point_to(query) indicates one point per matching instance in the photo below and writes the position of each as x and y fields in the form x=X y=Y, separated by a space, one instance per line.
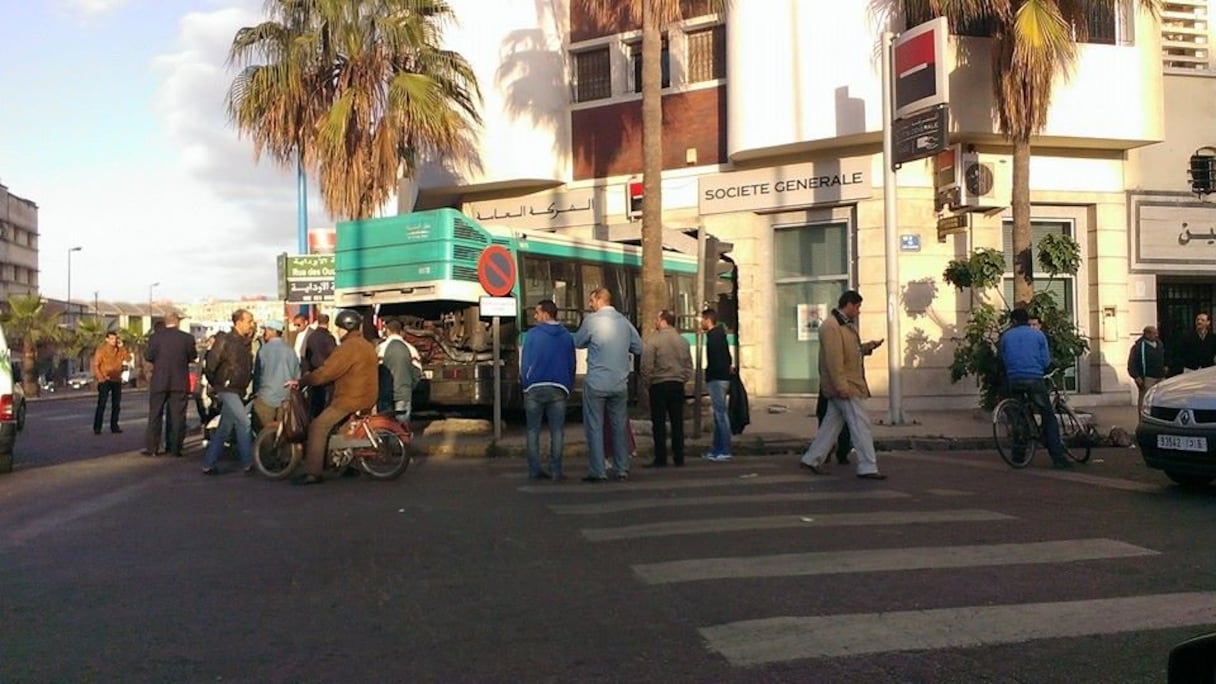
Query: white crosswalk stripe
x=643 y=504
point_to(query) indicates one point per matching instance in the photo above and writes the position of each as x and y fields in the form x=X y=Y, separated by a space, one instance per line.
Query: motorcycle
x=376 y=443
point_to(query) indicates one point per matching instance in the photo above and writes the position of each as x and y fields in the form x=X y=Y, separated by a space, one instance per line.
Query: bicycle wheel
x=1014 y=435
x=389 y=460
x=274 y=459
x=1078 y=437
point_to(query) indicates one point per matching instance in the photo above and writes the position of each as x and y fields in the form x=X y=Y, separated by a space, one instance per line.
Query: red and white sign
x=322 y=240
x=634 y=199
x=920 y=67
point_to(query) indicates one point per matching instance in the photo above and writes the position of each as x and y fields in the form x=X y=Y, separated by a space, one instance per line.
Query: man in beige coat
x=843 y=382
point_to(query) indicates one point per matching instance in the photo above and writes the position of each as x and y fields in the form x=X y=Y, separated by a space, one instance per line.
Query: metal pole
x=301 y=204
x=698 y=380
x=891 y=229
x=497 y=383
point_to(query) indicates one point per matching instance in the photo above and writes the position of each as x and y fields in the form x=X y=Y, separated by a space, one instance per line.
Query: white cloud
x=95 y=7
x=210 y=222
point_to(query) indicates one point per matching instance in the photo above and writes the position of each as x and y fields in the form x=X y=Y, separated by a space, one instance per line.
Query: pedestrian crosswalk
x=736 y=500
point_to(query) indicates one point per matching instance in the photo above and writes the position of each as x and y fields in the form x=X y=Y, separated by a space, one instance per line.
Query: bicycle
x=1018 y=433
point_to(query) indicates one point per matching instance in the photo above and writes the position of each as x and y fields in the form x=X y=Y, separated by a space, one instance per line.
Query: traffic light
x=1203 y=174
x=719 y=271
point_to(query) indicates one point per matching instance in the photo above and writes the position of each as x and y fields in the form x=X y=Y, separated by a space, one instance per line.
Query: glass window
x=684 y=303
x=544 y=279
x=1062 y=287
x=812 y=270
x=635 y=63
x=593 y=75
x=811 y=251
x=707 y=54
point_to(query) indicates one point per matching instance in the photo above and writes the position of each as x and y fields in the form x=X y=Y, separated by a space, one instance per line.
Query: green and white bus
x=422 y=268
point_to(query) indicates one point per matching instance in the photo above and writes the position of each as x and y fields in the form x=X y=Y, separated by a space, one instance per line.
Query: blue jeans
x=1036 y=391
x=717 y=397
x=596 y=404
x=546 y=402
x=234 y=416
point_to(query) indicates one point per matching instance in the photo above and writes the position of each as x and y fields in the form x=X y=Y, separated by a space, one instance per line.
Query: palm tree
x=357 y=90
x=35 y=326
x=86 y=338
x=1033 y=42
x=135 y=339
x=653 y=15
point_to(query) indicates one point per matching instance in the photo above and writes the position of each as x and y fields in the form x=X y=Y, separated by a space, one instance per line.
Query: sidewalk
x=778 y=426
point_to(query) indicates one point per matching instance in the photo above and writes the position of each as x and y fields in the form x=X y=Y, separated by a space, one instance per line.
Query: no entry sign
x=496 y=271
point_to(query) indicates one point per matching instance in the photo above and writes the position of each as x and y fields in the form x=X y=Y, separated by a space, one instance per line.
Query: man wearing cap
x=276 y=364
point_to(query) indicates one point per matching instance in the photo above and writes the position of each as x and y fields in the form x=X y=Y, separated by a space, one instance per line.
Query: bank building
x=772 y=142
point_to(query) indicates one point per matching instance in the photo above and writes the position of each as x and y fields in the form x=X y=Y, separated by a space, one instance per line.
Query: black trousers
x=111 y=390
x=667 y=403
x=172 y=405
x=844 y=443
x=318 y=398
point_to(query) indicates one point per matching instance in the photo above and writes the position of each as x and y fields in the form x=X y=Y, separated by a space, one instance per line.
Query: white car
x=12 y=406
x=80 y=380
x=1177 y=429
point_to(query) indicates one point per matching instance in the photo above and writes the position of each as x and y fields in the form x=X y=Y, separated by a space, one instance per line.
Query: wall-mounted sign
x=1174 y=236
x=307 y=279
x=785 y=187
x=920 y=67
x=909 y=243
x=810 y=317
x=539 y=211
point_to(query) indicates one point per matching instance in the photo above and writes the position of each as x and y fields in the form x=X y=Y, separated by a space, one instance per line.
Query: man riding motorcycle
x=352 y=368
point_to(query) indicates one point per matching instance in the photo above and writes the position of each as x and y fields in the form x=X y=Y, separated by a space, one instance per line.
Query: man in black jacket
x=230 y=372
x=170 y=351
x=318 y=345
x=718 y=369
x=1146 y=362
x=1199 y=345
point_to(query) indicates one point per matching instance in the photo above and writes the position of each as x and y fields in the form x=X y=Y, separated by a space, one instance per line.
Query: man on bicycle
x=1024 y=352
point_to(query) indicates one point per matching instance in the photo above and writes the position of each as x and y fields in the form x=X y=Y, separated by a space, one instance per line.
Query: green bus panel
x=442 y=244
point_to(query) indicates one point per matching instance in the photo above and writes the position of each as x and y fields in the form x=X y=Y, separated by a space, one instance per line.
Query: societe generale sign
x=785 y=187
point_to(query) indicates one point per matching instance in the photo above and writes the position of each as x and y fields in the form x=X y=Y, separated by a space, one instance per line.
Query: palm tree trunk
x=1023 y=263
x=654 y=291
x=29 y=373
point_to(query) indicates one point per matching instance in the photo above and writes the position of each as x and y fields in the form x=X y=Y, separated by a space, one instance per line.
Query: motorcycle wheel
x=387 y=462
x=272 y=459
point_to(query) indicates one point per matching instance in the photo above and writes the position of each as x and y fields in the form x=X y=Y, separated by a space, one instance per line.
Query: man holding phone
x=842 y=380
x=844 y=443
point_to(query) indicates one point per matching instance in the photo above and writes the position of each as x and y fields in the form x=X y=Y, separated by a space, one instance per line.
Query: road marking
x=773 y=522
x=1074 y=475
x=643 y=504
x=780 y=639
x=518 y=469
x=652 y=485
x=24 y=533
x=882 y=560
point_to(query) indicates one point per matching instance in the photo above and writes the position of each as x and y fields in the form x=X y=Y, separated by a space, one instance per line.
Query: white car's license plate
x=427 y=374
x=1182 y=443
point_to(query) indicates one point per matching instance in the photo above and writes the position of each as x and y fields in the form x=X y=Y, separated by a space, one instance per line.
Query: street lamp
x=150 y=288
x=68 y=307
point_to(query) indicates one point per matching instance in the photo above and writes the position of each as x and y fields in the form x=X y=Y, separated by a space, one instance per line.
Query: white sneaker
x=718 y=458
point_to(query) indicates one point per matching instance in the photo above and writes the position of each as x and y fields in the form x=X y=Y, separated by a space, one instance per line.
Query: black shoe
x=656 y=464
x=145 y=452
x=592 y=478
x=114 y=430
x=542 y=475
x=307 y=479
x=812 y=468
x=872 y=476
x=249 y=470
x=96 y=432
x=211 y=471
x=842 y=461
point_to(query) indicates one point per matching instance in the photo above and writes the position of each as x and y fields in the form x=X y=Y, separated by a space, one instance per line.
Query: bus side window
x=564 y=289
x=536 y=286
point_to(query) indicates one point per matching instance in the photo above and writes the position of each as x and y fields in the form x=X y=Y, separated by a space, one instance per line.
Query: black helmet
x=348 y=320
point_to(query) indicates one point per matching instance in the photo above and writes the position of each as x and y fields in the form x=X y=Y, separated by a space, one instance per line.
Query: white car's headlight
x=1147 y=406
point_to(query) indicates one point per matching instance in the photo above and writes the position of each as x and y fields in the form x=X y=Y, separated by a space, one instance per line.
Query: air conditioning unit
x=969 y=181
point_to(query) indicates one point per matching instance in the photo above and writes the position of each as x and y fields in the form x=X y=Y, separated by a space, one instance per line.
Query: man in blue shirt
x=1023 y=350
x=609 y=339
x=276 y=364
x=547 y=375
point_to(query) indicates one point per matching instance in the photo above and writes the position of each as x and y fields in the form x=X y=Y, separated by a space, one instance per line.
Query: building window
x=635 y=65
x=810 y=270
x=592 y=75
x=707 y=54
x=1185 y=28
x=1062 y=287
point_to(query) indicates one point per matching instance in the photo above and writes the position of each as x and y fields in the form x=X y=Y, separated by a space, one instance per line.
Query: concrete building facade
x=18 y=245
x=772 y=141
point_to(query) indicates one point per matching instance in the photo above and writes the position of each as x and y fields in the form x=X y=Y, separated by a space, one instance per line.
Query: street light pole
x=68 y=307
x=150 y=288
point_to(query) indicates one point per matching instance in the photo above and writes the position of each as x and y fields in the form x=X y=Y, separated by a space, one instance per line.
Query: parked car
x=80 y=380
x=12 y=406
x=1177 y=428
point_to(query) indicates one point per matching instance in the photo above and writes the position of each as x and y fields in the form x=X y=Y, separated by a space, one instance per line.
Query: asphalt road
x=956 y=569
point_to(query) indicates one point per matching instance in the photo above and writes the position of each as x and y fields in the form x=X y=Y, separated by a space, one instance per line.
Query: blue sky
x=112 y=121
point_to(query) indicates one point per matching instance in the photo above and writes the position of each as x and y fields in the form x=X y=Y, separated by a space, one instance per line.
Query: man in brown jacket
x=843 y=382
x=107 y=371
x=353 y=370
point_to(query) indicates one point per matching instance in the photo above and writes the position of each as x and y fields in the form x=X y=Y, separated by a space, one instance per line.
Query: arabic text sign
x=315 y=266
x=1181 y=235
x=544 y=210
x=308 y=279
x=305 y=291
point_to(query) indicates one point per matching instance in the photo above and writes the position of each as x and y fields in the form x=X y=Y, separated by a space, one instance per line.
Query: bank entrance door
x=811 y=270
x=1178 y=302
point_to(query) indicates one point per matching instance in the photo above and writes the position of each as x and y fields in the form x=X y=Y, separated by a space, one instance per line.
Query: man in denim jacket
x=609 y=339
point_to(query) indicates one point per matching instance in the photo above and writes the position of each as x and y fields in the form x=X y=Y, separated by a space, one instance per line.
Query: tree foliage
x=33 y=326
x=358 y=90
